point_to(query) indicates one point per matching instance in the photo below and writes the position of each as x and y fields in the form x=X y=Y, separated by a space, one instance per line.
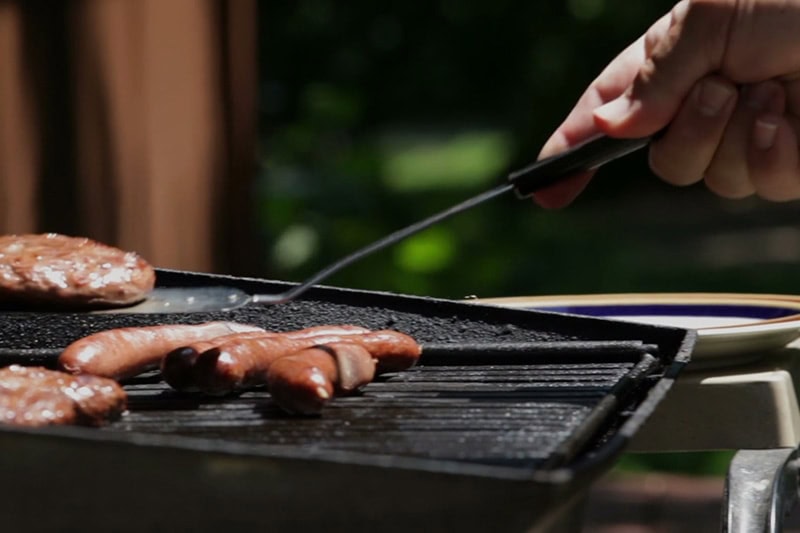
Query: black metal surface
x=430 y=321
x=540 y=429
x=510 y=415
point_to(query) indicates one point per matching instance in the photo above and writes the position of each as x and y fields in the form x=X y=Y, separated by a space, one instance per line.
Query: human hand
x=723 y=77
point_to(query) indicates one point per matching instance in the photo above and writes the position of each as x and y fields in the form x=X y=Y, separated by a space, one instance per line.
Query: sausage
x=394 y=351
x=355 y=364
x=245 y=362
x=178 y=367
x=306 y=381
x=303 y=382
x=125 y=352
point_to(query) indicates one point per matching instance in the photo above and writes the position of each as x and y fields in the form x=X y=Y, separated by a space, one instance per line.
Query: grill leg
x=760 y=490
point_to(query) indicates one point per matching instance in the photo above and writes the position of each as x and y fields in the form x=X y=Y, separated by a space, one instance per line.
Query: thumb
x=680 y=49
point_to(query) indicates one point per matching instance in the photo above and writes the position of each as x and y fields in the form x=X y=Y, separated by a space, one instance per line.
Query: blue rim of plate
x=749 y=325
x=748 y=311
x=755 y=310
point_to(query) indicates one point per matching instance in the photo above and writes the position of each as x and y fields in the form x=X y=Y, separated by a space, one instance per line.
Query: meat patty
x=34 y=396
x=70 y=271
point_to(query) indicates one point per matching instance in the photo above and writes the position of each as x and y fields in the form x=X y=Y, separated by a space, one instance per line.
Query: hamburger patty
x=70 y=271
x=34 y=396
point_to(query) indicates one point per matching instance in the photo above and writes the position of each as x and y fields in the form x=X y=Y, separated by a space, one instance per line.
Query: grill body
x=458 y=443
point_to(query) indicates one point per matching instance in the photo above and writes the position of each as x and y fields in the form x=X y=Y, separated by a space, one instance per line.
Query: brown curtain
x=132 y=122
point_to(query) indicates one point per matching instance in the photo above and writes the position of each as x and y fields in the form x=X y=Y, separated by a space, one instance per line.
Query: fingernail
x=614 y=111
x=713 y=96
x=764 y=133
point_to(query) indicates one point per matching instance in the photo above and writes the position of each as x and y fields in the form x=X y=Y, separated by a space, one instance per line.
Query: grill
x=465 y=437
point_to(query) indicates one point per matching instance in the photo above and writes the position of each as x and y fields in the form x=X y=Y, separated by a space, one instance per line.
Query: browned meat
x=125 y=352
x=306 y=381
x=355 y=364
x=244 y=362
x=303 y=382
x=178 y=367
x=34 y=396
x=70 y=271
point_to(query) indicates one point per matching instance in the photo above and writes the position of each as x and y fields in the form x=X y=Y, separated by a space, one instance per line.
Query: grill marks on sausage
x=34 y=396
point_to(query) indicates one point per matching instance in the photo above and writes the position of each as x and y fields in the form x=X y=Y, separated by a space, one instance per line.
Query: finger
x=564 y=192
x=579 y=125
x=691 y=46
x=728 y=174
x=682 y=155
x=773 y=158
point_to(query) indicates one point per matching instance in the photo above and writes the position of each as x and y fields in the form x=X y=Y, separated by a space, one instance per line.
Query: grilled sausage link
x=306 y=381
x=125 y=352
x=245 y=362
x=178 y=367
x=355 y=364
x=303 y=382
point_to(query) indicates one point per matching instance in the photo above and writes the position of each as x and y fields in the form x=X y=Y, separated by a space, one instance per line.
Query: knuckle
x=708 y=23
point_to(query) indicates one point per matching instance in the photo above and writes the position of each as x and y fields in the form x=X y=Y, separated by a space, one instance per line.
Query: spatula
x=523 y=182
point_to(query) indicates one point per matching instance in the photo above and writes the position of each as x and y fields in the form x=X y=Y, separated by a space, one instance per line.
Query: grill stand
x=751 y=408
x=760 y=490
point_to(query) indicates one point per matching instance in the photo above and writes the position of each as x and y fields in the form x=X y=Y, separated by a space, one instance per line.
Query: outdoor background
x=376 y=114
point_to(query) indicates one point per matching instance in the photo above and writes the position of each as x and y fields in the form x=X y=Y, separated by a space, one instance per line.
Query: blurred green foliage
x=376 y=114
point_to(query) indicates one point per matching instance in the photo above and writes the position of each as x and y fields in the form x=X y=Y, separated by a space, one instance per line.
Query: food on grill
x=178 y=367
x=245 y=362
x=125 y=352
x=355 y=366
x=224 y=357
x=53 y=269
x=34 y=396
x=304 y=382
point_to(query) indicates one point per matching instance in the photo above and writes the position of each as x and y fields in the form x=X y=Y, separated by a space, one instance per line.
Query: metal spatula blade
x=187 y=300
x=525 y=182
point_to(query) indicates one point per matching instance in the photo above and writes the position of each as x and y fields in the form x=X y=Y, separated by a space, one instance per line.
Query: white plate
x=730 y=327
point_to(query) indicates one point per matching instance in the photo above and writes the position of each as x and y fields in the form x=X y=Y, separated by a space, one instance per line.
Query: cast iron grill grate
x=520 y=415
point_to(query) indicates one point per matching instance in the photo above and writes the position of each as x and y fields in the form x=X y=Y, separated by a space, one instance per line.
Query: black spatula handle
x=584 y=157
